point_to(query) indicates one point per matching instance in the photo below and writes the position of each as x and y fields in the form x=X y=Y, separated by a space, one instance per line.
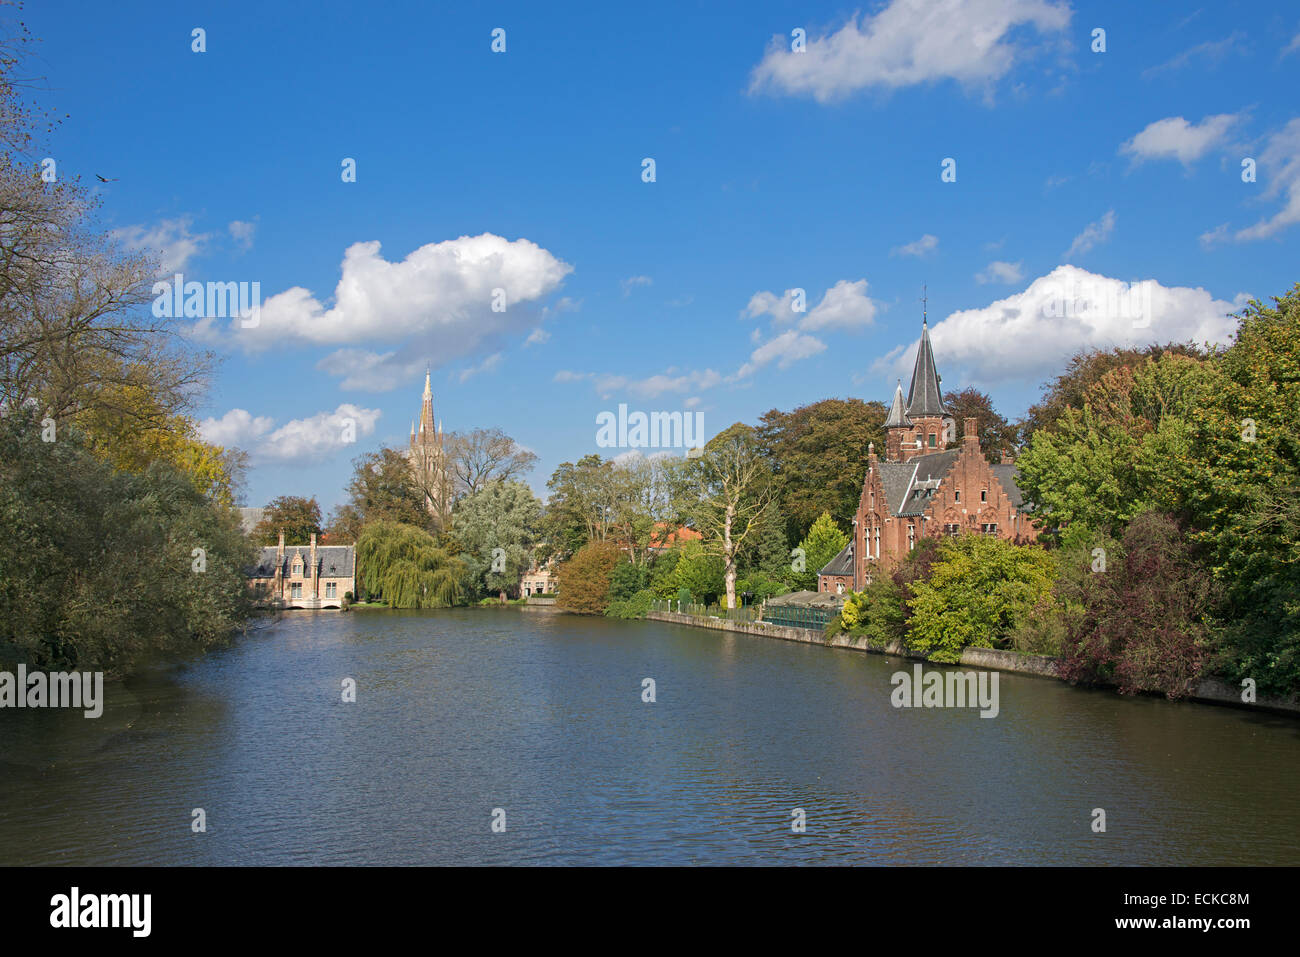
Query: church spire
x=923 y=396
x=426 y=406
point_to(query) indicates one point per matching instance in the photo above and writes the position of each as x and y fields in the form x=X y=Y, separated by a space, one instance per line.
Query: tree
x=735 y=489
x=584 y=579
x=977 y=593
x=818 y=457
x=823 y=542
x=498 y=526
x=404 y=566
x=1145 y=618
x=108 y=570
x=996 y=435
x=700 y=571
x=486 y=455
x=297 y=517
x=581 y=503
x=383 y=489
x=343 y=526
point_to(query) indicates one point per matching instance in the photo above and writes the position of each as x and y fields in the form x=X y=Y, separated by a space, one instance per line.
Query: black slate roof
x=923 y=396
x=1007 y=475
x=332 y=561
x=897 y=415
x=841 y=564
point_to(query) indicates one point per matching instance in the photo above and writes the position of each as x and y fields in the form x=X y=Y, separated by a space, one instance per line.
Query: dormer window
x=297 y=569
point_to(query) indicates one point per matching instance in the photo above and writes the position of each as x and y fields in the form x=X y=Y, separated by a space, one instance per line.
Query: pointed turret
x=897 y=415
x=924 y=397
x=426 y=405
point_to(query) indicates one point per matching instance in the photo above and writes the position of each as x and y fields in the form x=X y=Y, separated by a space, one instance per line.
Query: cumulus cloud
x=787 y=348
x=299 y=441
x=1092 y=234
x=920 y=248
x=998 y=271
x=1028 y=335
x=909 y=42
x=169 y=241
x=1175 y=138
x=845 y=305
x=437 y=303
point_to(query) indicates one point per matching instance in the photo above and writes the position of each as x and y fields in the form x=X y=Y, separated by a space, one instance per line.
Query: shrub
x=627 y=579
x=1144 y=624
x=638 y=606
x=585 y=578
x=977 y=593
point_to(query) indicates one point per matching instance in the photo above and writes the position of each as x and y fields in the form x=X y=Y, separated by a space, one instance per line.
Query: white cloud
x=787 y=348
x=845 y=305
x=537 y=337
x=632 y=282
x=1028 y=335
x=1210 y=53
x=921 y=247
x=1279 y=166
x=1175 y=138
x=998 y=271
x=436 y=303
x=487 y=365
x=1092 y=234
x=911 y=42
x=299 y=441
x=170 y=241
x=242 y=233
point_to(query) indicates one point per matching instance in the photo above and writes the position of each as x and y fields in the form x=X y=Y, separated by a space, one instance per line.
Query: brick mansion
x=920 y=488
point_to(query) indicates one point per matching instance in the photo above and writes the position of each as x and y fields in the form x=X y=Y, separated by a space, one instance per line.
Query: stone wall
x=1209 y=691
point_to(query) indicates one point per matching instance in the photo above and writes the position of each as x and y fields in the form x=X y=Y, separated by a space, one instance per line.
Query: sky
x=701 y=208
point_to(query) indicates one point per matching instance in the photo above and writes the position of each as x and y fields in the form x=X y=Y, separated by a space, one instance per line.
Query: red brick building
x=921 y=488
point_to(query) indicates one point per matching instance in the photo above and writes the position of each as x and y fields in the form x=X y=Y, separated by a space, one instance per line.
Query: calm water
x=541 y=714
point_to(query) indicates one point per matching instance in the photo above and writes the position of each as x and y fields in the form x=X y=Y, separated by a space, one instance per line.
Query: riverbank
x=1210 y=691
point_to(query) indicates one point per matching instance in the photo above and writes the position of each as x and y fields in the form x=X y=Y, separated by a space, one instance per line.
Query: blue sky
x=1078 y=173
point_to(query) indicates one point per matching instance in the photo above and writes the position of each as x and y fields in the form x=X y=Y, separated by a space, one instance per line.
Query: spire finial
x=924 y=304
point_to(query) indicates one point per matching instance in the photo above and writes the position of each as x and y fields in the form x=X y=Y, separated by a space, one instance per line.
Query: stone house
x=304 y=576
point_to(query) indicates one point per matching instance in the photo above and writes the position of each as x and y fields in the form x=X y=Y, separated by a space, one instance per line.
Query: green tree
x=823 y=542
x=977 y=593
x=298 y=517
x=498 y=527
x=818 y=457
x=403 y=566
x=700 y=571
x=996 y=434
x=383 y=489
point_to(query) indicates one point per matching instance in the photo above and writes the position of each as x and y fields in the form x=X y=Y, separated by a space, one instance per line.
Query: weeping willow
x=404 y=567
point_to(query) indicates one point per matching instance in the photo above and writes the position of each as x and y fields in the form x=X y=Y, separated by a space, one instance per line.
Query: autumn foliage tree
x=584 y=579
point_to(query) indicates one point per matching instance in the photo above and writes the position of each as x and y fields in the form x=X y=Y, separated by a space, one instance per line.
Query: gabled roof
x=841 y=564
x=333 y=561
x=897 y=415
x=930 y=470
x=1006 y=475
x=923 y=396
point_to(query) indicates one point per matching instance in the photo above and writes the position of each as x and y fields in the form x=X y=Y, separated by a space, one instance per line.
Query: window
x=984 y=495
x=297 y=569
x=877 y=543
x=932 y=440
x=295 y=590
x=989 y=528
x=951 y=530
x=839 y=588
x=331 y=590
x=911 y=536
x=956 y=495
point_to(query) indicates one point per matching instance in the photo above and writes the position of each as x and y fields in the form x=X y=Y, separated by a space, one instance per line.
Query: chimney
x=871 y=456
x=970 y=430
x=315 y=583
x=1008 y=458
x=279 y=567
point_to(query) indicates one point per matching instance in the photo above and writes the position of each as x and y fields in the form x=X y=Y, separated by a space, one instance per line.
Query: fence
x=749 y=613
x=792 y=616
x=798 y=616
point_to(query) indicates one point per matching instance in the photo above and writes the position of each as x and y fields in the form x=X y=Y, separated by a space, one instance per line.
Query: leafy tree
x=108 y=570
x=403 y=566
x=1144 y=624
x=700 y=571
x=383 y=489
x=343 y=526
x=977 y=592
x=876 y=613
x=580 y=504
x=627 y=579
x=996 y=434
x=502 y=515
x=734 y=489
x=823 y=542
x=818 y=457
x=298 y=517
x=584 y=579
x=483 y=456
